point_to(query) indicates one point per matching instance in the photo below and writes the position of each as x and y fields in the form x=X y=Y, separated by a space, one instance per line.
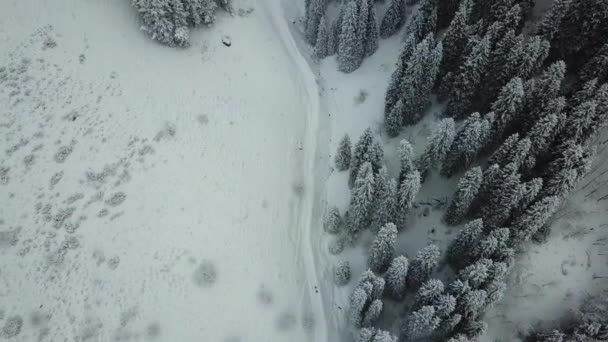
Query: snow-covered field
x=150 y=193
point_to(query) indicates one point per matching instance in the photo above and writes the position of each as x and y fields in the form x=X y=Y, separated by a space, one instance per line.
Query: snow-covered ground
x=150 y=193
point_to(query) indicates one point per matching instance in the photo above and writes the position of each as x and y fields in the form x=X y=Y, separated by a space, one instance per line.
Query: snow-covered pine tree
x=366 y=335
x=361 y=154
x=343 y=154
x=476 y=273
x=371 y=30
x=422 y=266
x=438 y=145
x=580 y=124
x=513 y=150
x=529 y=193
x=503 y=197
x=314 y=12
x=462 y=250
x=424 y=22
x=396 y=277
x=393 y=119
x=384 y=336
x=157 y=19
x=596 y=67
x=362 y=199
x=585 y=92
x=571 y=164
x=200 y=12
x=552 y=19
x=386 y=204
x=407 y=194
x=541 y=91
x=467 y=79
x=342 y=273
x=472 y=304
x=332 y=222
x=534 y=218
x=535 y=53
x=358 y=301
x=393 y=92
x=382 y=248
x=406 y=159
x=394 y=18
x=455 y=39
x=419 y=78
x=429 y=293
x=543 y=133
x=376 y=156
x=465 y=147
x=372 y=313
x=363 y=14
x=495 y=247
x=332 y=39
x=507 y=107
x=465 y=194
x=349 y=44
x=322 y=45
x=421 y=323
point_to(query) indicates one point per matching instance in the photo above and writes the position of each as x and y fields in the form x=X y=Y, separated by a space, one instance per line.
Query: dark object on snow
x=226 y=41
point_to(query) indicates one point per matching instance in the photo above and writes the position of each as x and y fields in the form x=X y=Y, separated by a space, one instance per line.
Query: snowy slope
x=155 y=194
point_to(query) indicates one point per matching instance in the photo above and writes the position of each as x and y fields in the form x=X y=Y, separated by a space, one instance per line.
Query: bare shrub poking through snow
x=205 y=274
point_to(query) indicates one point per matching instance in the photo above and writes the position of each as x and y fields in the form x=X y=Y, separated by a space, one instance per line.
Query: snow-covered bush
x=342 y=273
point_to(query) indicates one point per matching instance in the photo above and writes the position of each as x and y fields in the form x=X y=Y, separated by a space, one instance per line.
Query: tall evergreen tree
x=386 y=208
x=393 y=93
x=462 y=250
x=406 y=159
x=362 y=199
x=581 y=124
x=425 y=20
x=343 y=154
x=371 y=30
x=361 y=154
x=349 y=44
x=394 y=18
x=504 y=196
x=382 y=249
x=407 y=194
x=507 y=107
x=455 y=39
x=467 y=80
x=314 y=13
x=396 y=277
x=529 y=193
x=465 y=194
x=422 y=266
x=421 y=323
x=541 y=91
x=543 y=134
x=372 y=313
x=322 y=45
x=429 y=293
x=534 y=218
x=550 y=23
x=513 y=150
x=465 y=147
x=437 y=147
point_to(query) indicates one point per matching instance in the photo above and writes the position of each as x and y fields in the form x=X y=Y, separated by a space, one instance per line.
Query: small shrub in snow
x=332 y=222
x=336 y=246
x=342 y=273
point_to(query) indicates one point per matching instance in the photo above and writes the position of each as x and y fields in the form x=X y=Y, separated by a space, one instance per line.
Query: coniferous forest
x=523 y=103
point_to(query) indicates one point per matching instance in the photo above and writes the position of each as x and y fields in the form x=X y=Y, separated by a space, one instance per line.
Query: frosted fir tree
x=495 y=292
x=376 y=156
x=396 y=277
x=438 y=146
x=445 y=306
x=407 y=194
x=462 y=250
x=425 y=20
x=156 y=19
x=343 y=154
x=474 y=329
x=362 y=199
x=322 y=45
x=534 y=218
x=383 y=248
x=342 y=273
x=477 y=273
x=386 y=206
x=406 y=159
x=455 y=39
x=493 y=245
x=366 y=335
x=473 y=304
x=314 y=13
x=465 y=194
x=467 y=79
x=337 y=27
x=393 y=19
x=349 y=44
x=429 y=293
x=543 y=134
x=358 y=301
x=361 y=154
x=465 y=147
x=393 y=119
x=542 y=90
x=371 y=30
x=422 y=266
x=505 y=154
x=202 y=12
x=585 y=92
x=504 y=196
x=384 y=336
x=332 y=39
x=571 y=165
x=421 y=323
x=372 y=313
x=529 y=192
x=507 y=106
x=596 y=67
x=362 y=14
x=550 y=23
x=536 y=52
x=394 y=90
x=581 y=125
x=332 y=221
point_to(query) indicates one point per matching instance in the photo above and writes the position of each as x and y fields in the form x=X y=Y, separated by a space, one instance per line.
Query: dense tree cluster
x=169 y=21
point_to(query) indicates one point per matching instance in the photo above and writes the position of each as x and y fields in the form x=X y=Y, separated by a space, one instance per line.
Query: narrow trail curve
x=306 y=221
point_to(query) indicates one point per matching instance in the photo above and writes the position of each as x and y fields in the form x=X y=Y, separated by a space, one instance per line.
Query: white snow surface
x=157 y=194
